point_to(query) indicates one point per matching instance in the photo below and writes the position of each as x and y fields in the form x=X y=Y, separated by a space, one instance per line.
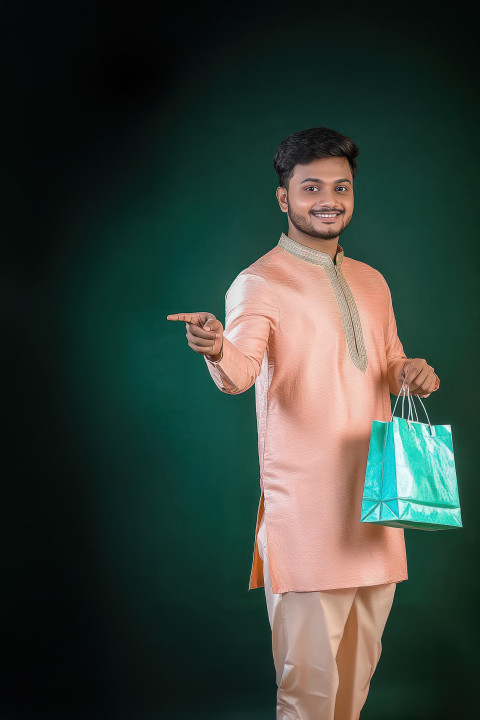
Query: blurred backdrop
x=137 y=181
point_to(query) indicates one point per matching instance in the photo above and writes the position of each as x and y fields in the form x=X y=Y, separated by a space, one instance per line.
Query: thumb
x=406 y=368
x=210 y=322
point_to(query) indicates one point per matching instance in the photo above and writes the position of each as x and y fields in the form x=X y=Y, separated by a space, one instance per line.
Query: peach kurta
x=319 y=340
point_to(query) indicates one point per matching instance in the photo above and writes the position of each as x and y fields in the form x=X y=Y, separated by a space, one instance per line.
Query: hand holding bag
x=410 y=479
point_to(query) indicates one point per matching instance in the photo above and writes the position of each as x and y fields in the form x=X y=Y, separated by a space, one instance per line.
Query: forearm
x=233 y=372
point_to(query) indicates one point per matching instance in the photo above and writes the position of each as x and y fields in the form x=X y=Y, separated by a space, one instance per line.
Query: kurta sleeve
x=395 y=355
x=251 y=317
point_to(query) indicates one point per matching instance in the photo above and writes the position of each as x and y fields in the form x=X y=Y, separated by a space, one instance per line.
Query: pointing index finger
x=186 y=317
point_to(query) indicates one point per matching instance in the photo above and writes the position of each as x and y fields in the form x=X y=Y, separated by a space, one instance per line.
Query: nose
x=326 y=199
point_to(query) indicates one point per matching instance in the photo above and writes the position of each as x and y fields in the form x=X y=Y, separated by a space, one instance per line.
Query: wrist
x=217 y=357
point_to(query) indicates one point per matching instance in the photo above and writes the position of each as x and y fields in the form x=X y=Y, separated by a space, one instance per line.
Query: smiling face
x=319 y=198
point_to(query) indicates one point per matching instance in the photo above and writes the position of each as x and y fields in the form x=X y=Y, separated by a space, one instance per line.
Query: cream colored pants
x=326 y=645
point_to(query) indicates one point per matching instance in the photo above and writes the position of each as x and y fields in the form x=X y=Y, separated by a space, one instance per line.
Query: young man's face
x=324 y=186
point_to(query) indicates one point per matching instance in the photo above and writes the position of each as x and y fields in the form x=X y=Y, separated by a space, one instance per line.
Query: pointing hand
x=204 y=332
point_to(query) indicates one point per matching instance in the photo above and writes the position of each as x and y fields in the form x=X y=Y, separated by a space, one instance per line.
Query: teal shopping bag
x=410 y=479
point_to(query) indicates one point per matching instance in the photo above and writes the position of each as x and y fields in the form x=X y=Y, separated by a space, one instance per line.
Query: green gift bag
x=410 y=479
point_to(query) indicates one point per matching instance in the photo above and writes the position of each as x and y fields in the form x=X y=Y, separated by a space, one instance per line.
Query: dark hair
x=302 y=147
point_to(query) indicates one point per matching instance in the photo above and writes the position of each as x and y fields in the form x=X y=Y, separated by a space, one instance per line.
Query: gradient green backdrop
x=137 y=181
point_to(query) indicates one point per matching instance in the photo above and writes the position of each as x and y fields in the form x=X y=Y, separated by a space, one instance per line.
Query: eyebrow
x=321 y=181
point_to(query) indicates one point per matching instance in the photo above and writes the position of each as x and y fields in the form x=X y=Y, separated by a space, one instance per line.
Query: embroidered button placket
x=345 y=299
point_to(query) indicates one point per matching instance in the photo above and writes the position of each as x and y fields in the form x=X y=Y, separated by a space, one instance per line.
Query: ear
x=282 y=199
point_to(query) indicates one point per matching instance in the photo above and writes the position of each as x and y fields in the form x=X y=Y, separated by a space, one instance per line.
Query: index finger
x=184 y=317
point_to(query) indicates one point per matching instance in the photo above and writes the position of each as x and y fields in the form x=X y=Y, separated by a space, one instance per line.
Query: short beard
x=298 y=221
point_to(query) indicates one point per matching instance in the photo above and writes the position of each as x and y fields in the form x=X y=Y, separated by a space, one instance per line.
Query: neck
x=329 y=246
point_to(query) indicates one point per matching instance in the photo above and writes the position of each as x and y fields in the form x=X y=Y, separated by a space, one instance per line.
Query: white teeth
x=326 y=215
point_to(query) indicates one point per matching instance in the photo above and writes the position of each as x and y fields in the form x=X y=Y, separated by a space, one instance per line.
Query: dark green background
x=137 y=181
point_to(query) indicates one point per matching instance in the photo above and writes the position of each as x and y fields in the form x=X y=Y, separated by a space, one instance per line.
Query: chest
x=329 y=309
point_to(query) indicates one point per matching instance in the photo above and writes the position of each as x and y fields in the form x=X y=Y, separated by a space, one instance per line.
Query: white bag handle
x=411 y=406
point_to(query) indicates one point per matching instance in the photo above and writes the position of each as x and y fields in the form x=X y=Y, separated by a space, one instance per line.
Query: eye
x=341 y=186
x=311 y=187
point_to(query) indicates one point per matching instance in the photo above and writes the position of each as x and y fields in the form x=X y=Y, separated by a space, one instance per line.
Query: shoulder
x=265 y=265
x=366 y=273
x=258 y=276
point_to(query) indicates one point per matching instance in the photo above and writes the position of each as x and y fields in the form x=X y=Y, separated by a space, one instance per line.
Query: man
x=316 y=332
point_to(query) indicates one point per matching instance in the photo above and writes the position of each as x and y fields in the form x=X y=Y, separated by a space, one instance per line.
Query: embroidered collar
x=317 y=257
